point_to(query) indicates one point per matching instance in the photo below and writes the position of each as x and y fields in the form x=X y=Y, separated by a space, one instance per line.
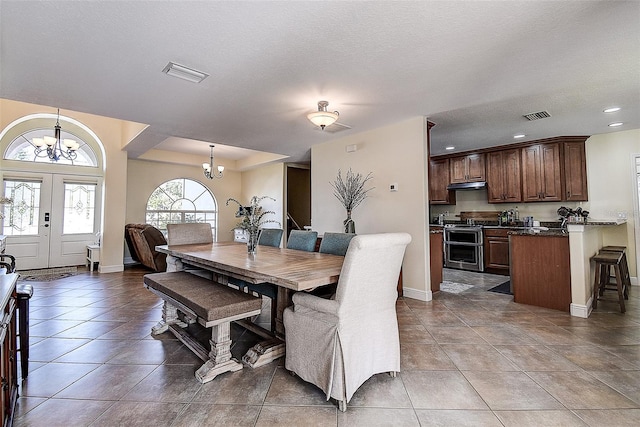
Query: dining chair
x=338 y=344
x=335 y=243
x=270 y=237
x=302 y=240
x=189 y=233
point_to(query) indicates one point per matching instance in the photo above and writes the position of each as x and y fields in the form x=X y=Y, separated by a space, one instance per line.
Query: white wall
x=394 y=154
x=611 y=174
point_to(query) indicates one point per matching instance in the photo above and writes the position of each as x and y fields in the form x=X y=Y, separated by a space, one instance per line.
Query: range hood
x=467 y=185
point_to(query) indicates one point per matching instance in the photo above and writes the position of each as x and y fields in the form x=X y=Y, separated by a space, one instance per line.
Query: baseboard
x=128 y=260
x=579 y=310
x=418 y=294
x=110 y=268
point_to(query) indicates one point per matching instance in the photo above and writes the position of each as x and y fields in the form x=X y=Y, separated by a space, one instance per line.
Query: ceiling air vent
x=537 y=116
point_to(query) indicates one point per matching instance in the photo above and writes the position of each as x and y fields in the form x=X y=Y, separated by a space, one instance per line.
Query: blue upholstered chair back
x=336 y=243
x=302 y=240
x=270 y=237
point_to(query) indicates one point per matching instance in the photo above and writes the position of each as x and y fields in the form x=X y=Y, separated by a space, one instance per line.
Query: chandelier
x=208 y=167
x=55 y=147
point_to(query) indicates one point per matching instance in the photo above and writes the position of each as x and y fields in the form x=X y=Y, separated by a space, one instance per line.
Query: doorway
x=52 y=218
x=298 y=197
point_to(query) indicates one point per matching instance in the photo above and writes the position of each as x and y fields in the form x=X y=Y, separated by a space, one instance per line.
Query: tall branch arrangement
x=253 y=215
x=350 y=191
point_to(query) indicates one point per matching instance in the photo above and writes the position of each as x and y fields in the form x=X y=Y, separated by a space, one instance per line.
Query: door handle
x=46 y=225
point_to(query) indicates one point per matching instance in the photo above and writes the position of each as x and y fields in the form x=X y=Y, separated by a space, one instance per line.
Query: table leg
x=270 y=350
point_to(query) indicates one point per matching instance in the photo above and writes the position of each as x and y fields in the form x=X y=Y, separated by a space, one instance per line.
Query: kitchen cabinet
x=496 y=251
x=575 y=172
x=436 y=261
x=541 y=173
x=438 y=182
x=504 y=184
x=8 y=348
x=469 y=168
x=540 y=270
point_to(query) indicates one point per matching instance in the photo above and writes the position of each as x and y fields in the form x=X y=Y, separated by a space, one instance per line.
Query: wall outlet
x=393 y=187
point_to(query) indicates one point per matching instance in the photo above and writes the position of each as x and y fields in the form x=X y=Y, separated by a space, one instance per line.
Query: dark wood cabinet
x=496 y=251
x=541 y=173
x=469 y=168
x=436 y=260
x=575 y=172
x=8 y=348
x=504 y=184
x=540 y=270
x=438 y=182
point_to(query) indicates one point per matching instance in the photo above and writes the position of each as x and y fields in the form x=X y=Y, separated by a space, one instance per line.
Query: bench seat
x=211 y=304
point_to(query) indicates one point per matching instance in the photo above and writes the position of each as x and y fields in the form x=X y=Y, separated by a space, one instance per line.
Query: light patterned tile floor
x=473 y=358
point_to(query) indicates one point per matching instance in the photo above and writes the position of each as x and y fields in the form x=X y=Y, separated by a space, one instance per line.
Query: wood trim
x=555 y=139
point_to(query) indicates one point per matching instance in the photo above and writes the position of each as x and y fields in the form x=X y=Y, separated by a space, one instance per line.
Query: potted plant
x=252 y=219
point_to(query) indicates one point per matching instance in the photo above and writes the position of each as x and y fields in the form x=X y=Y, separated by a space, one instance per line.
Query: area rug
x=454 y=288
x=47 y=274
x=502 y=288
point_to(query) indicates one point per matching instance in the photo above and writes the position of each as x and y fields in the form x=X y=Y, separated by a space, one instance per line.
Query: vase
x=349 y=224
x=252 y=243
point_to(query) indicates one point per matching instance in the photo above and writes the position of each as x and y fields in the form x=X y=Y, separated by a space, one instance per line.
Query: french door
x=52 y=218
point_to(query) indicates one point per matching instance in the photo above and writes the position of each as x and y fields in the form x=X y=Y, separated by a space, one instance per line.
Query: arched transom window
x=23 y=149
x=181 y=200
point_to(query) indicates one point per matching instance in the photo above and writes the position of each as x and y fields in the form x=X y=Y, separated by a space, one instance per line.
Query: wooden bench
x=210 y=304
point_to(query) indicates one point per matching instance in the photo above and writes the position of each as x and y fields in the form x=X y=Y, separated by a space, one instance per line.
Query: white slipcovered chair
x=340 y=343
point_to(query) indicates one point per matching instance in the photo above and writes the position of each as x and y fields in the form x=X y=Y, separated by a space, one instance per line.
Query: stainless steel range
x=463 y=247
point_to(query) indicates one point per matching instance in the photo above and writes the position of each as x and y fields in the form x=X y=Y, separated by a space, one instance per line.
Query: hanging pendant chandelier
x=54 y=147
x=208 y=167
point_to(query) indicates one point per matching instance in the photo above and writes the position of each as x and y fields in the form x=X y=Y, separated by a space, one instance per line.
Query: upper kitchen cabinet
x=575 y=171
x=469 y=168
x=541 y=173
x=438 y=182
x=504 y=184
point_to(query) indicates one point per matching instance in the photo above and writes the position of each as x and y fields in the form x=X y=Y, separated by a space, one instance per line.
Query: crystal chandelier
x=55 y=147
x=208 y=167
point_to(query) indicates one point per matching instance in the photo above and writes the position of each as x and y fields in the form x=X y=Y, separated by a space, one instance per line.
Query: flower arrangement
x=350 y=192
x=4 y=201
x=252 y=219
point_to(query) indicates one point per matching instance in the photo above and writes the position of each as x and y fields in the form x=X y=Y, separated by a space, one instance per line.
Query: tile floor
x=468 y=359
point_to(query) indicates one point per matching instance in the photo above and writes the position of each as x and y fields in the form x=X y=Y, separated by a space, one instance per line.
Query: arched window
x=22 y=149
x=181 y=200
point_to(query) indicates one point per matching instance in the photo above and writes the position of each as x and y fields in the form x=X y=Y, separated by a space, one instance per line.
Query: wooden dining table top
x=289 y=268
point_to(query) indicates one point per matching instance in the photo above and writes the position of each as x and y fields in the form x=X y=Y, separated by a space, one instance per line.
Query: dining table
x=289 y=270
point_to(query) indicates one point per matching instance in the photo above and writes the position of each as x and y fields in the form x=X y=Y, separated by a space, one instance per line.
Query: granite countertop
x=552 y=232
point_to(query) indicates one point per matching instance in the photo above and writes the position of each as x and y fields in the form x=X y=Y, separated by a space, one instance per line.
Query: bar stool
x=24 y=293
x=624 y=268
x=604 y=260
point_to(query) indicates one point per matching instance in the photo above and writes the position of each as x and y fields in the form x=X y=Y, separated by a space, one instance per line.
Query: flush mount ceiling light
x=322 y=117
x=184 y=73
x=451 y=147
x=611 y=110
x=208 y=167
x=616 y=124
x=520 y=135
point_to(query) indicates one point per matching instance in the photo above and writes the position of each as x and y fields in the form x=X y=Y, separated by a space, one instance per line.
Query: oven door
x=463 y=248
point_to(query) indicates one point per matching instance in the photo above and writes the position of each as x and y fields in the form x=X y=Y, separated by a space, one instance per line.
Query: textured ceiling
x=472 y=67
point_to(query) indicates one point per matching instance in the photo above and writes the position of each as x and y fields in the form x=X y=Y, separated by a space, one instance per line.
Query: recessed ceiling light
x=611 y=110
x=451 y=147
x=185 y=73
x=615 y=124
x=520 y=135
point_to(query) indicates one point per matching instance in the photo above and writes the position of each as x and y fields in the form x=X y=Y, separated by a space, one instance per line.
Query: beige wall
x=394 y=154
x=145 y=176
x=265 y=181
